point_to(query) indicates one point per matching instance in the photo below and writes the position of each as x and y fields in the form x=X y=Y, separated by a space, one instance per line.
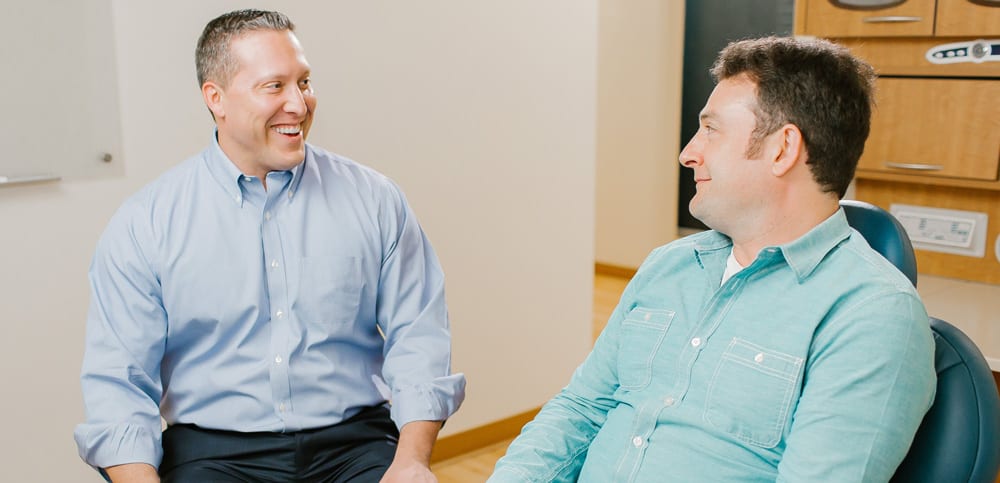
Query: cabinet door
x=834 y=18
x=935 y=128
x=964 y=18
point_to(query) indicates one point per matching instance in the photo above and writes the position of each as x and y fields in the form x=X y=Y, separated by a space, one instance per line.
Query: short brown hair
x=212 y=57
x=814 y=84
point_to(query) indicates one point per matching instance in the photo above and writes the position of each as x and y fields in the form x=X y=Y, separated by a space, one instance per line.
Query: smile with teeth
x=291 y=130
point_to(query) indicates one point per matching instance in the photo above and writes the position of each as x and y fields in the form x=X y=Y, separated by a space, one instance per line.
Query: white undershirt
x=732 y=266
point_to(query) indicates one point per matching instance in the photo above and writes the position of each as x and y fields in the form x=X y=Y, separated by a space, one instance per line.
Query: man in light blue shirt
x=776 y=347
x=278 y=305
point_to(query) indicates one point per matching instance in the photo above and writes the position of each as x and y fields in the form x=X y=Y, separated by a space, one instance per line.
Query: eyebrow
x=706 y=116
x=273 y=76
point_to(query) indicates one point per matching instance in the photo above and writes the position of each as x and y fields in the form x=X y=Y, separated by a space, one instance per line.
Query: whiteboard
x=59 y=91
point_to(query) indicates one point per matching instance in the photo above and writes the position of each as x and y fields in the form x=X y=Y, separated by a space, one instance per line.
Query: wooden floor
x=477 y=466
x=471 y=467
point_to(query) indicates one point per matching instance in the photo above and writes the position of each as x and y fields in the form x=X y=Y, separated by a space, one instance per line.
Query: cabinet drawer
x=965 y=18
x=935 y=128
x=910 y=18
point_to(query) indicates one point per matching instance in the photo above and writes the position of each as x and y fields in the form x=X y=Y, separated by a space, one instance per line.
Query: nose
x=296 y=102
x=691 y=154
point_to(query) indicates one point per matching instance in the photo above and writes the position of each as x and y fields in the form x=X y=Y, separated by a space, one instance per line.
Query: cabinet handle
x=914 y=166
x=891 y=19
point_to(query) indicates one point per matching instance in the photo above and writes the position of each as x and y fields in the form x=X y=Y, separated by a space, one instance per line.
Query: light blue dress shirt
x=220 y=304
x=813 y=364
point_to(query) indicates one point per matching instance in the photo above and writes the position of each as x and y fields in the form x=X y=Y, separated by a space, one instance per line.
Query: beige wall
x=484 y=112
x=640 y=59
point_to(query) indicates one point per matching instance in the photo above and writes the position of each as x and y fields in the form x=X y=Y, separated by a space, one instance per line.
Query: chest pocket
x=643 y=331
x=751 y=392
x=329 y=290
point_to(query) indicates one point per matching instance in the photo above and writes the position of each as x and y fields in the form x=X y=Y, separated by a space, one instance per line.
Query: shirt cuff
x=431 y=401
x=102 y=446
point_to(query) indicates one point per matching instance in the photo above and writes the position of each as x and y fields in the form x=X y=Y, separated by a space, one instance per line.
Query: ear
x=788 y=148
x=213 y=95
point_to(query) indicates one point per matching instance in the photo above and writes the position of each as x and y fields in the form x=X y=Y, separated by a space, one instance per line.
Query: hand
x=408 y=472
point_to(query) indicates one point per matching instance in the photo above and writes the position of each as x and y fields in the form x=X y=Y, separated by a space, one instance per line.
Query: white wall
x=641 y=47
x=483 y=112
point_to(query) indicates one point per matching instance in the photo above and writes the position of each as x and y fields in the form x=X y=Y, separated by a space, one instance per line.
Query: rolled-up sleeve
x=413 y=315
x=126 y=330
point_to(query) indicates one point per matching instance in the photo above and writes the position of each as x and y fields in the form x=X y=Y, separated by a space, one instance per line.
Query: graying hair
x=212 y=57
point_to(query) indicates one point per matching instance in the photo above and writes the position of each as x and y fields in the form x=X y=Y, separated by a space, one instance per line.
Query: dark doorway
x=708 y=26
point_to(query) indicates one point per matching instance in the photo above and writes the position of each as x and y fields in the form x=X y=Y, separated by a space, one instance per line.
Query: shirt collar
x=228 y=176
x=802 y=255
x=298 y=171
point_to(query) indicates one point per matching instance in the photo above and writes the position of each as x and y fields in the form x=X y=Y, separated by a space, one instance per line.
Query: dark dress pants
x=357 y=450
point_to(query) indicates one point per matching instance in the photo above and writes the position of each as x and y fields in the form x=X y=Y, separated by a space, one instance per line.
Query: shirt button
x=696 y=342
x=281 y=407
x=646 y=317
x=279 y=314
x=274 y=264
x=267 y=215
x=759 y=357
x=637 y=441
x=669 y=401
x=277 y=360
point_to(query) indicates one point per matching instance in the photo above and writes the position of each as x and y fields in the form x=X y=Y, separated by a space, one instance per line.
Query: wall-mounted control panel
x=976 y=51
x=949 y=231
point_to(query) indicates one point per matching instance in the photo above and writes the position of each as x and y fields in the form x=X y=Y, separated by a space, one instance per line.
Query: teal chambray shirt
x=815 y=363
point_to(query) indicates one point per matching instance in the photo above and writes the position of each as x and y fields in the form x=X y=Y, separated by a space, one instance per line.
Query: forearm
x=413 y=454
x=132 y=473
x=553 y=446
x=416 y=441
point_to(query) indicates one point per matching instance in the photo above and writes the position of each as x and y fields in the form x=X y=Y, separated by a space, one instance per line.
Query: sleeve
x=126 y=332
x=553 y=447
x=867 y=387
x=413 y=316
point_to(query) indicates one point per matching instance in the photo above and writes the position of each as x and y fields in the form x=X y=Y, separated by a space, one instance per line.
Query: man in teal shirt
x=776 y=347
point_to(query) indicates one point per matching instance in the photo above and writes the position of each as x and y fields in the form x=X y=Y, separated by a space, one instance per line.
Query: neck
x=793 y=219
x=240 y=160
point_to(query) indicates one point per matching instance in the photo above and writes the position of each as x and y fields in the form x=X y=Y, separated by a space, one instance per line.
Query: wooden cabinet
x=907 y=18
x=941 y=128
x=963 y=17
x=935 y=135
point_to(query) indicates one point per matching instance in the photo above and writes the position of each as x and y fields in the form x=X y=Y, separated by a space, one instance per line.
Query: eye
x=305 y=84
x=273 y=85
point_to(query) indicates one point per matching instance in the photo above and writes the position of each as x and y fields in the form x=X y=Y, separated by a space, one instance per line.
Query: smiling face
x=265 y=111
x=731 y=188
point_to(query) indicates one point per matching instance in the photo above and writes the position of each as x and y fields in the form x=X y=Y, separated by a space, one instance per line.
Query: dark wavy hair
x=814 y=84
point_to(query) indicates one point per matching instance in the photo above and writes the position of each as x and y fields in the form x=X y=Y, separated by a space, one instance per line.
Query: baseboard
x=481 y=436
x=614 y=270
